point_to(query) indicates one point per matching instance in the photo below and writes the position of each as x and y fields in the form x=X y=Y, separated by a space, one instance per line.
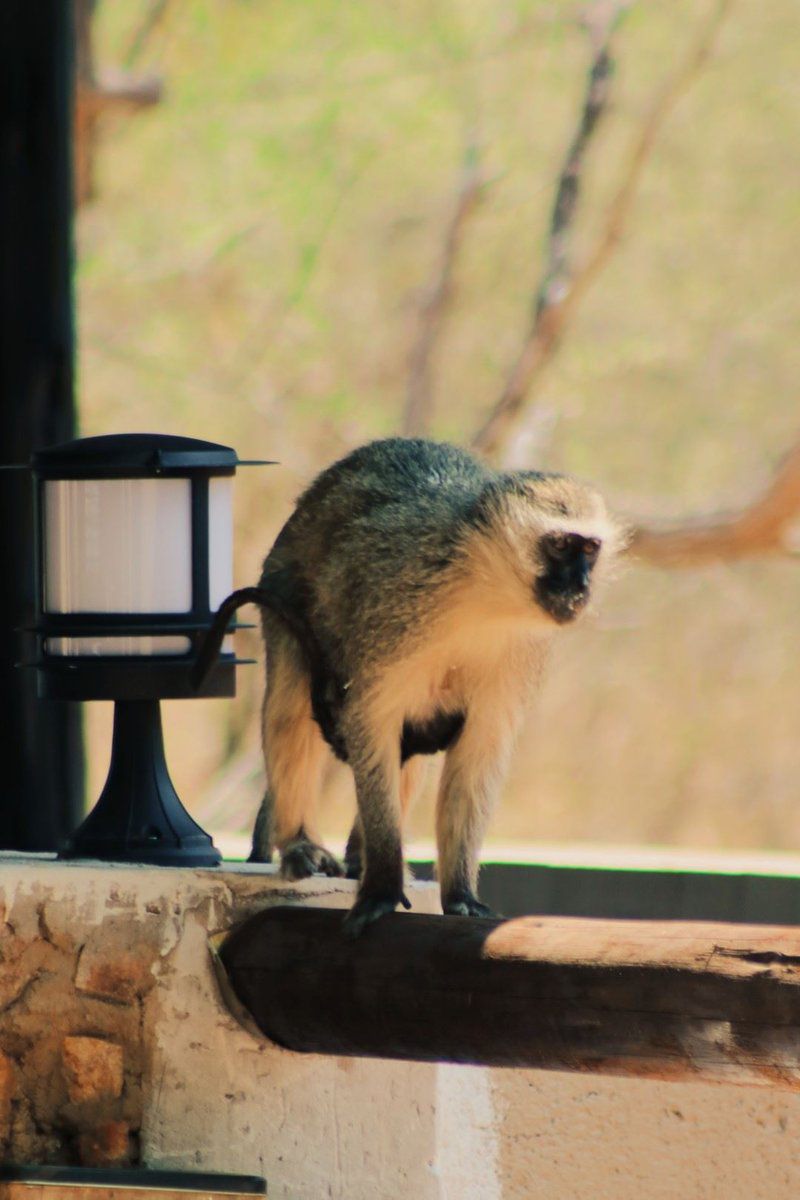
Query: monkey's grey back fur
x=376 y=533
x=372 y=536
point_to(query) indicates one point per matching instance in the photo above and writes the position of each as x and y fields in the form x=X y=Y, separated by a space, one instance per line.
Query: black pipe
x=42 y=753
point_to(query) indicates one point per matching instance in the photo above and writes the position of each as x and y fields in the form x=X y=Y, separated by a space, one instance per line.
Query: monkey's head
x=544 y=542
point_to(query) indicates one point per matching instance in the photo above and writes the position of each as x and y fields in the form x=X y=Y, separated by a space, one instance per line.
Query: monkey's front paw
x=368 y=909
x=301 y=859
x=464 y=904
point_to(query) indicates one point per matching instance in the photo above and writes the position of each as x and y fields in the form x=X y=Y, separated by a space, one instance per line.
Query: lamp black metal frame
x=138 y=817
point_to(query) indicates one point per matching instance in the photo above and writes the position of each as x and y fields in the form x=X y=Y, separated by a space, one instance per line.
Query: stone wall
x=115 y=1048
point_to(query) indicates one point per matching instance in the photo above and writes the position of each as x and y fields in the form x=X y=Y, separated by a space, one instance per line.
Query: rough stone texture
x=121 y=976
x=107 y=1145
x=7 y=1084
x=94 y=956
x=120 y=955
x=93 y=1069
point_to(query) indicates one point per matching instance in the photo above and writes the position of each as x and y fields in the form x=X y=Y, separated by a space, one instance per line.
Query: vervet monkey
x=407 y=605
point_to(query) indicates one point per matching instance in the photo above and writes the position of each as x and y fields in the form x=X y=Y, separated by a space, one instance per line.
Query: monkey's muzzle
x=562 y=589
x=563 y=607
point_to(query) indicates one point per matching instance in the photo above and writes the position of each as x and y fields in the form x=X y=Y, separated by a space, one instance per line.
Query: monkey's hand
x=464 y=904
x=368 y=909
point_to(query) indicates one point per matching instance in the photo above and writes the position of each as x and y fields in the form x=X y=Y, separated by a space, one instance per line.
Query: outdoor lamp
x=134 y=555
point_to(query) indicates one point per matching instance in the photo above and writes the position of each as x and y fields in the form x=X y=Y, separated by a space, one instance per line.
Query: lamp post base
x=139 y=816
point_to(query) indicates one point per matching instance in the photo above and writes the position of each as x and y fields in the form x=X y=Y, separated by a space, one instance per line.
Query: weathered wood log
x=658 y=999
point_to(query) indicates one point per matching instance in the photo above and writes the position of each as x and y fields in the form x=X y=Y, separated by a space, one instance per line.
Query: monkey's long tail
x=219 y=627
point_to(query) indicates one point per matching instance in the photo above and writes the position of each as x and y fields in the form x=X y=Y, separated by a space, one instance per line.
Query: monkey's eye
x=568 y=546
x=559 y=544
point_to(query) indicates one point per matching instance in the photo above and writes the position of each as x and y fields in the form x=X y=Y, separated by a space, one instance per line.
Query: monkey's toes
x=302 y=859
x=368 y=909
x=466 y=905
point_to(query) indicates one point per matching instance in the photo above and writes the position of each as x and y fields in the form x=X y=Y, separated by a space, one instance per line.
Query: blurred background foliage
x=250 y=270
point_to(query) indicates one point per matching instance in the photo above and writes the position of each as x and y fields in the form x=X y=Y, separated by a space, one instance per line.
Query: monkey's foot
x=368 y=909
x=464 y=904
x=260 y=856
x=352 y=868
x=301 y=859
x=353 y=854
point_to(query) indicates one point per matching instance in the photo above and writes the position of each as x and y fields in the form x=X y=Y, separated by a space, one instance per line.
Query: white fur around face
x=487 y=631
x=500 y=563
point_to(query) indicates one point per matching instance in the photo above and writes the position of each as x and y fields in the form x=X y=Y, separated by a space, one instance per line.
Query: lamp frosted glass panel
x=220 y=538
x=220 y=544
x=119 y=647
x=117 y=546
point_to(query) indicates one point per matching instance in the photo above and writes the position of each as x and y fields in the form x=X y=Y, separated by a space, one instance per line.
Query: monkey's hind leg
x=294 y=752
x=354 y=851
x=262 y=847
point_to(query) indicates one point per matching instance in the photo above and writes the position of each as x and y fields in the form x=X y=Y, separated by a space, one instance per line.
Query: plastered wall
x=115 y=1048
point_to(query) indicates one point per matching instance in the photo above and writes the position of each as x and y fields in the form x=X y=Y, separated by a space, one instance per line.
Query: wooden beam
x=648 y=999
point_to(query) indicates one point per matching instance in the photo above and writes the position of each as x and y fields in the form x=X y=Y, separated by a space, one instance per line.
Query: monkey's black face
x=563 y=584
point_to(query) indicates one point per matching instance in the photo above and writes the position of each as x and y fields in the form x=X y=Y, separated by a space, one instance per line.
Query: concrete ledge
x=159 y=1073
x=115 y=1047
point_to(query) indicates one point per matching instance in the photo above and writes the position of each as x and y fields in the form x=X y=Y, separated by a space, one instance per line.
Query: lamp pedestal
x=139 y=816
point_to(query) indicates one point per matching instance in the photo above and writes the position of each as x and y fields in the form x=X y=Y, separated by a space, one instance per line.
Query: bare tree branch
x=97 y=92
x=554 y=289
x=560 y=292
x=556 y=275
x=156 y=11
x=436 y=301
x=763 y=527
